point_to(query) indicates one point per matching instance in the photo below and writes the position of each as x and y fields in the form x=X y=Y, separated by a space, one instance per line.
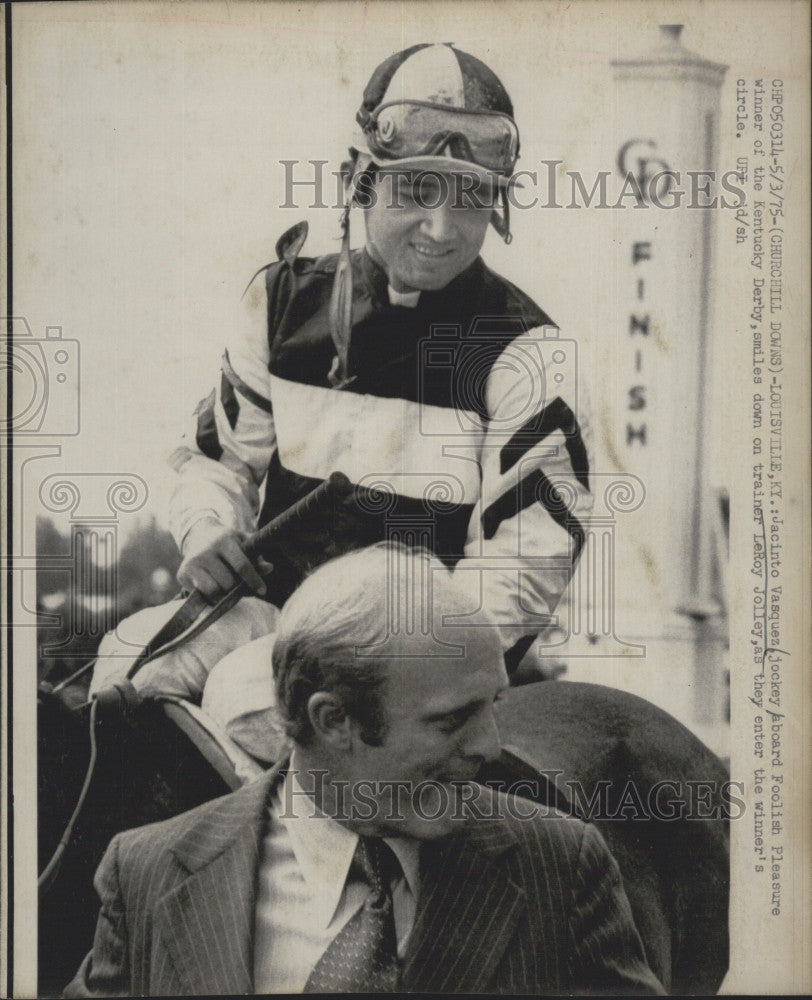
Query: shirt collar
x=408 y=854
x=406 y=299
x=324 y=848
x=465 y=288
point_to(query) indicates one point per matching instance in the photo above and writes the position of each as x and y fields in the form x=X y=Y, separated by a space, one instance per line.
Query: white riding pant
x=226 y=670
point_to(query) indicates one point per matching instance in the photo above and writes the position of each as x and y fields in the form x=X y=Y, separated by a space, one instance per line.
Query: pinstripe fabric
x=508 y=906
x=178 y=903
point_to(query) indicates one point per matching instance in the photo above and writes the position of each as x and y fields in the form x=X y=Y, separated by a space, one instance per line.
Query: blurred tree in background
x=75 y=607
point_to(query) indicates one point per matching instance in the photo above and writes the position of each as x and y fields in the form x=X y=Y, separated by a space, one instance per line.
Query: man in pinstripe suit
x=390 y=708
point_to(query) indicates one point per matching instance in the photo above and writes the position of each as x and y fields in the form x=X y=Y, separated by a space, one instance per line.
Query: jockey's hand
x=214 y=560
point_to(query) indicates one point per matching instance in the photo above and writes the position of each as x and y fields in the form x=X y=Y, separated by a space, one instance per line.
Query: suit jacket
x=508 y=905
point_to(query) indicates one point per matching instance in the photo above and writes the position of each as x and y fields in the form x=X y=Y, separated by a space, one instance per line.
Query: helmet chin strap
x=341 y=297
x=501 y=223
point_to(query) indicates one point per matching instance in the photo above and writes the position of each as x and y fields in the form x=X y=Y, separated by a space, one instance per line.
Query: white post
x=668 y=110
x=654 y=419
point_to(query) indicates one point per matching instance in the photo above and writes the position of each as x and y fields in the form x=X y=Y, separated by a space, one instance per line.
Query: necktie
x=363 y=957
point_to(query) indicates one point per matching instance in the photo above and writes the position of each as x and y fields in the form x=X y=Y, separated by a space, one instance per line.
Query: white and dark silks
x=459 y=425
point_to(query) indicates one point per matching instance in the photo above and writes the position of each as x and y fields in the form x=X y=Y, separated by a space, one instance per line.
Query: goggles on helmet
x=403 y=130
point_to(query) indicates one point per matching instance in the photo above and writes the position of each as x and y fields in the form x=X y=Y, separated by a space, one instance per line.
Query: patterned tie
x=363 y=957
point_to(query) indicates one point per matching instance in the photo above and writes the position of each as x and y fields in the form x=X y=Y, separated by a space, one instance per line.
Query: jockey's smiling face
x=425 y=228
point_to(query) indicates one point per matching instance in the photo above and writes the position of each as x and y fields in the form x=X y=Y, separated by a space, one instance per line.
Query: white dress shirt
x=304 y=894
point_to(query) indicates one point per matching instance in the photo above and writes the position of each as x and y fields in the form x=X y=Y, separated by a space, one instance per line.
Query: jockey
x=439 y=388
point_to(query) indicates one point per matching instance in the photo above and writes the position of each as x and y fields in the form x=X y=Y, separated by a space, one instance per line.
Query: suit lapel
x=207 y=921
x=466 y=915
x=467 y=912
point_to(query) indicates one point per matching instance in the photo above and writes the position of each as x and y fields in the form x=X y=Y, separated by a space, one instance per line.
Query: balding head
x=359 y=614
